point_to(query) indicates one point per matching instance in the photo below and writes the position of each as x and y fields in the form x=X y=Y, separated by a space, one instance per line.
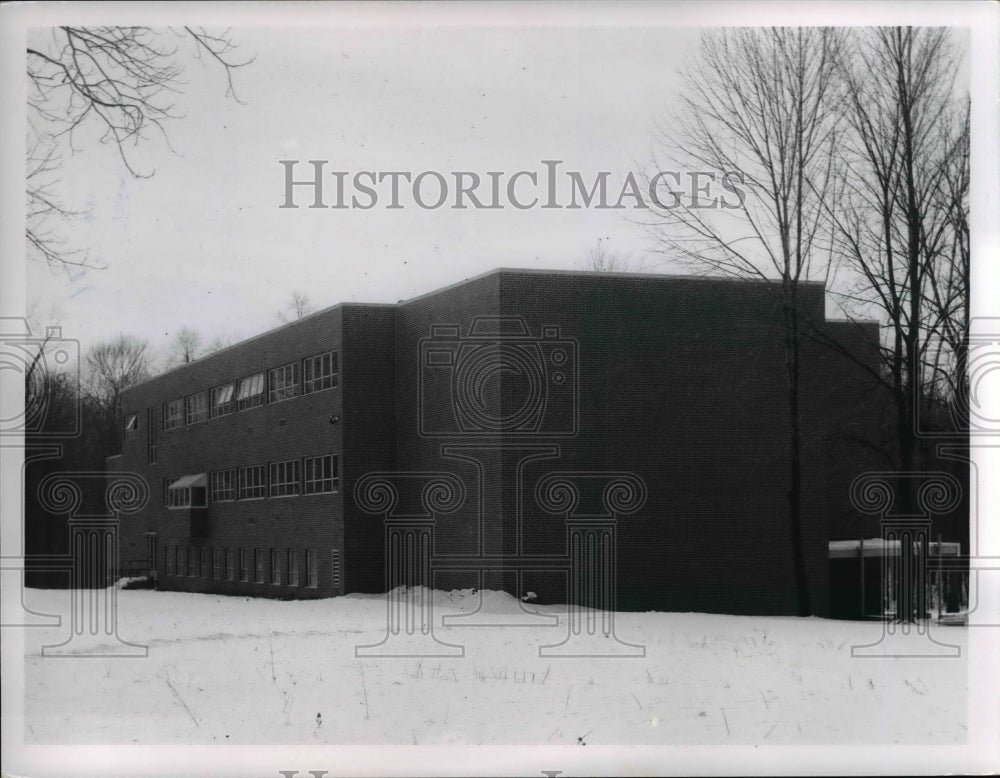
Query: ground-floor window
x=206 y=562
x=192 y=561
x=275 y=567
x=181 y=558
x=293 y=567
x=244 y=564
x=259 y=565
x=220 y=561
x=230 y=564
x=312 y=571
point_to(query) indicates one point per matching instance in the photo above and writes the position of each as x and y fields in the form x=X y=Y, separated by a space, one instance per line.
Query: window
x=168 y=559
x=181 y=560
x=223 y=485
x=151 y=429
x=258 y=565
x=251 y=392
x=166 y=490
x=285 y=478
x=244 y=564
x=195 y=408
x=252 y=482
x=230 y=564
x=283 y=383
x=192 y=561
x=222 y=400
x=220 y=562
x=172 y=414
x=319 y=372
x=188 y=491
x=312 y=572
x=320 y=474
x=206 y=562
x=293 y=567
x=275 y=568
x=132 y=426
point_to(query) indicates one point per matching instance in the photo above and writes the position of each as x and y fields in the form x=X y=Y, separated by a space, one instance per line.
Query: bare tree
x=603 y=260
x=185 y=347
x=753 y=113
x=118 y=79
x=297 y=307
x=112 y=367
x=901 y=226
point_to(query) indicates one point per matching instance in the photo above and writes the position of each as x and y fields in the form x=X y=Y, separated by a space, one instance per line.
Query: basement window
x=188 y=491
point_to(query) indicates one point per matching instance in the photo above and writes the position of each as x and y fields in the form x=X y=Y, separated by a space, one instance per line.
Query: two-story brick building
x=523 y=395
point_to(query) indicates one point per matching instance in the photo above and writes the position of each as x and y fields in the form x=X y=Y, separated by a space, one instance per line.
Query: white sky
x=203 y=242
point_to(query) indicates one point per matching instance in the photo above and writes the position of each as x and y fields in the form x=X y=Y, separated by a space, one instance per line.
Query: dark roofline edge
x=470 y=279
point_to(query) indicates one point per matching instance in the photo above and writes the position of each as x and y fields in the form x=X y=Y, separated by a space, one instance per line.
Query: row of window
x=290 y=478
x=312 y=374
x=256 y=565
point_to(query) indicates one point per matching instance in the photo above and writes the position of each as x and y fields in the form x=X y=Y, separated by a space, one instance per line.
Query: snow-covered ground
x=249 y=671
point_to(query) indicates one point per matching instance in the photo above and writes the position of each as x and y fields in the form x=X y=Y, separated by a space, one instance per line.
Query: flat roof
x=662 y=277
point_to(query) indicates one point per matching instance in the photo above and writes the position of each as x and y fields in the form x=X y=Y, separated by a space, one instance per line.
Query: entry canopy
x=189 y=481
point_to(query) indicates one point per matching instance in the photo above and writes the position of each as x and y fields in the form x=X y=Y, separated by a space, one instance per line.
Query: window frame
x=313 y=381
x=279 y=392
x=217 y=493
x=130 y=426
x=196 y=415
x=245 y=486
x=309 y=485
x=173 y=414
x=279 y=484
x=258 y=566
x=217 y=408
x=255 y=392
x=275 y=567
x=245 y=561
x=312 y=569
x=293 y=567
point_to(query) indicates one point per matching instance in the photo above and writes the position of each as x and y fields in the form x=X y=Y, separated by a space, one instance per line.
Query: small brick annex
x=464 y=438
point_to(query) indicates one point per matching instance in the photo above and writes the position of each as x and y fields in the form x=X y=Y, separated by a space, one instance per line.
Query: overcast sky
x=203 y=243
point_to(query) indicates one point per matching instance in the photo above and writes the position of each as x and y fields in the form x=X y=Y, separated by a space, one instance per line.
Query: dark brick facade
x=675 y=383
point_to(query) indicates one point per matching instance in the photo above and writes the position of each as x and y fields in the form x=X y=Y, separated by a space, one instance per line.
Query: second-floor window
x=283 y=382
x=196 y=408
x=251 y=393
x=319 y=372
x=222 y=400
x=131 y=426
x=173 y=414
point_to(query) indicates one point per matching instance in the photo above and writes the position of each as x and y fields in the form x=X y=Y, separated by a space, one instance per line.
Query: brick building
x=464 y=437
